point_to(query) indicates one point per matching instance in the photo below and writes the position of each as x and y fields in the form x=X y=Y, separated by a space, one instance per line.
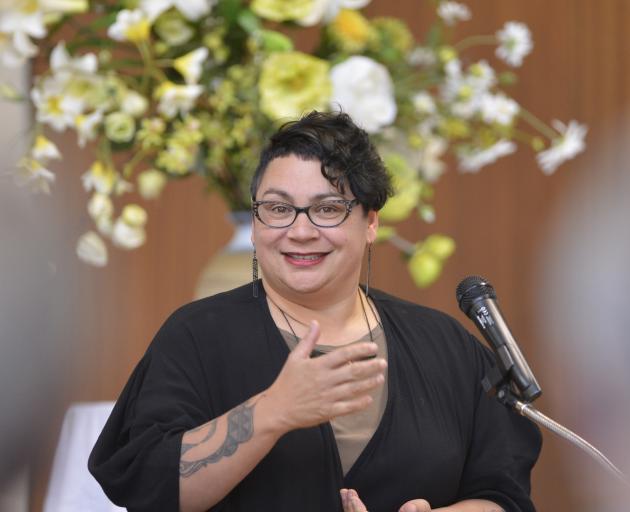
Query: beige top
x=353 y=431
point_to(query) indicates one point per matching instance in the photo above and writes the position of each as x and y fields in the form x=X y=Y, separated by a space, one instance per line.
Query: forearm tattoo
x=240 y=428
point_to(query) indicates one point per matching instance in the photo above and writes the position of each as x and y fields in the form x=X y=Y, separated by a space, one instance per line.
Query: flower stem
x=135 y=160
x=536 y=123
x=471 y=41
x=402 y=244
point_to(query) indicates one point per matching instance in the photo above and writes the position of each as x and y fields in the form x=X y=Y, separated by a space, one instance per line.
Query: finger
x=353 y=352
x=344 y=499
x=304 y=348
x=416 y=506
x=349 y=390
x=343 y=407
x=358 y=370
x=357 y=504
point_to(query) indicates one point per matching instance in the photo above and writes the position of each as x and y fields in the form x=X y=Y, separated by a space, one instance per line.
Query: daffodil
x=31 y=173
x=175 y=98
x=100 y=177
x=53 y=106
x=44 y=149
x=131 y=26
x=87 y=126
x=190 y=65
x=292 y=83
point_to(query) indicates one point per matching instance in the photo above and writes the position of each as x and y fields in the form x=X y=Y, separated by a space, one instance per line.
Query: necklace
x=286 y=317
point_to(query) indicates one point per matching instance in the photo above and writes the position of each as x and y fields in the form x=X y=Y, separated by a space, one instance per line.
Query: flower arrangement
x=164 y=89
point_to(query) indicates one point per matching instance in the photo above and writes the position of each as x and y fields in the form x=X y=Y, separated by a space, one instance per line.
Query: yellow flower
x=424 y=268
x=190 y=65
x=292 y=83
x=134 y=215
x=351 y=31
x=176 y=158
x=392 y=33
x=100 y=177
x=407 y=189
x=44 y=149
x=282 y=10
x=151 y=183
x=131 y=26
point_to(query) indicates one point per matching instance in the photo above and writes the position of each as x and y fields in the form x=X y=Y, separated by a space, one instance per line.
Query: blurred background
x=555 y=248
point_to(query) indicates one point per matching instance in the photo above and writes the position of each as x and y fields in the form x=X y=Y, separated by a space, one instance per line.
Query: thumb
x=416 y=506
x=304 y=348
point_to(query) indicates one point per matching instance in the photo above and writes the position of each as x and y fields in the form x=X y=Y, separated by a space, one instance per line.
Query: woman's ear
x=372 y=227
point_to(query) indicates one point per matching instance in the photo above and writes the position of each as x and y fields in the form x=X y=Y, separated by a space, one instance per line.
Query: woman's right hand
x=309 y=391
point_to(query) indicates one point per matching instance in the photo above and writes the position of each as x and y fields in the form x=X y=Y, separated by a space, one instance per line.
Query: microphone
x=477 y=299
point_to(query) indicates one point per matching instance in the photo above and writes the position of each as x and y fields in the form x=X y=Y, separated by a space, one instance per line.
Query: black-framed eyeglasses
x=325 y=214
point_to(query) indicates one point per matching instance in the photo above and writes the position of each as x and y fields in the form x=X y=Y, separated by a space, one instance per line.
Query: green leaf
x=248 y=21
x=424 y=268
x=384 y=233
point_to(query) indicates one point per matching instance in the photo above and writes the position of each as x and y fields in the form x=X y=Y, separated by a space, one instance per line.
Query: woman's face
x=304 y=258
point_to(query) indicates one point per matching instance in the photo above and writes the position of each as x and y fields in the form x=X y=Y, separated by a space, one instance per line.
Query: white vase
x=232 y=266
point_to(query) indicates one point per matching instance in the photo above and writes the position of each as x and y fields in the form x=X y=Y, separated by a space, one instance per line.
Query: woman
x=304 y=391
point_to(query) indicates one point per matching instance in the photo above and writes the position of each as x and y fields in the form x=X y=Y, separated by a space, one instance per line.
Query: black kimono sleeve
x=136 y=457
x=503 y=449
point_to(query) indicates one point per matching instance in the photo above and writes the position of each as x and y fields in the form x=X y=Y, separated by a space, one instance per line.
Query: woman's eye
x=279 y=208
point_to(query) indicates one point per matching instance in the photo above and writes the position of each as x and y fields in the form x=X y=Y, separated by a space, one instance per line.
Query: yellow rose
x=292 y=83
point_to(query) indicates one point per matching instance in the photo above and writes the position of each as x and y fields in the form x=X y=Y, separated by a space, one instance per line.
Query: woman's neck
x=341 y=319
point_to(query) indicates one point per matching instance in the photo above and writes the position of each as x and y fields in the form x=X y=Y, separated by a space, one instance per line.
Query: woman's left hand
x=352 y=503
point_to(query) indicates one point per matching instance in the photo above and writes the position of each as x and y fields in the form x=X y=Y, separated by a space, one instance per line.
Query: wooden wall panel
x=578 y=70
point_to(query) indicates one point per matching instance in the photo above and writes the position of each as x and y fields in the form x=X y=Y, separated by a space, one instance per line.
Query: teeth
x=305 y=257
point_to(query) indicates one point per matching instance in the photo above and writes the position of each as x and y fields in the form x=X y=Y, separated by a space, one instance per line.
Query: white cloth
x=72 y=488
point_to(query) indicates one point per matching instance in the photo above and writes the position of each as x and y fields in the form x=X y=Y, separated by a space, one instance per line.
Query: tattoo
x=240 y=428
x=212 y=428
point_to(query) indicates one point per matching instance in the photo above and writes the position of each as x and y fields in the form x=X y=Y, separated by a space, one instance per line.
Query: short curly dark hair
x=347 y=156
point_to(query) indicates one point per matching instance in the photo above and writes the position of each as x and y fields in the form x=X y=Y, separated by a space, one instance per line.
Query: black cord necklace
x=286 y=317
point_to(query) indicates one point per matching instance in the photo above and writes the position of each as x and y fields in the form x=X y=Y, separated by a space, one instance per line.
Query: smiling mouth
x=310 y=258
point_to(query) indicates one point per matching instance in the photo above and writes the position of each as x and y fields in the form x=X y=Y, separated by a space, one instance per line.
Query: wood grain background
x=578 y=70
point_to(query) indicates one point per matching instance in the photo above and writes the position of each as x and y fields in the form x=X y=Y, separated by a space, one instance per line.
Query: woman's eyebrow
x=318 y=197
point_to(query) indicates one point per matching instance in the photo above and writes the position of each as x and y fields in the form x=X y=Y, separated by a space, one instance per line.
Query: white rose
x=364 y=90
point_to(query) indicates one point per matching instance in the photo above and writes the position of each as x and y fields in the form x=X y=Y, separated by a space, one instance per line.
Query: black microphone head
x=472 y=288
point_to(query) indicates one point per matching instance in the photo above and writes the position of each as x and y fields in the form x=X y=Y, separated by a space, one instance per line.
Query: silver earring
x=255 y=275
x=369 y=270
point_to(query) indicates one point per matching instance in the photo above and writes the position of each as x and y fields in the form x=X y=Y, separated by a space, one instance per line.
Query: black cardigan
x=441 y=438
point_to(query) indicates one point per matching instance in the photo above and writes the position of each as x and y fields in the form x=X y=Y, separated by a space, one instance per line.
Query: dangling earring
x=369 y=270
x=255 y=275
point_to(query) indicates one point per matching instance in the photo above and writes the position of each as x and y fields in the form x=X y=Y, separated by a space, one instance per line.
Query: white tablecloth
x=72 y=488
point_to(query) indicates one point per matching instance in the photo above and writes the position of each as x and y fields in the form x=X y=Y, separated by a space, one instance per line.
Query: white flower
x=191 y=9
x=23 y=18
x=44 y=150
x=91 y=249
x=430 y=164
x=86 y=126
x=327 y=10
x=53 y=106
x=515 y=43
x=31 y=173
x=100 y=205
x=128 y=231
x=498 y=108
x=190 y=65
x=15 y=50
x=177 y=98
x=423 y=103
x=134 y=104
x=421 y=56
x=131 y=26
x=364 y=90
x=452 y=12
x=64 y=6
x=568 y=145
x=473 y=161
x=65 y=67
x=100 y=178
x=481 y=76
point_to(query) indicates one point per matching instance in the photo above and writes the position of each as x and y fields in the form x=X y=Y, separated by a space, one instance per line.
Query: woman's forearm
x=472 y=506
x=216 y=456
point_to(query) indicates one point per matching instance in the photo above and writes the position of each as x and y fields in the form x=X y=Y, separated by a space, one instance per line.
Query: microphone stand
x=498 y=384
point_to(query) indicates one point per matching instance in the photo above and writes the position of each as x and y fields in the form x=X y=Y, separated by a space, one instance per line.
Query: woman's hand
x=352 y=503
x=309 y=391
